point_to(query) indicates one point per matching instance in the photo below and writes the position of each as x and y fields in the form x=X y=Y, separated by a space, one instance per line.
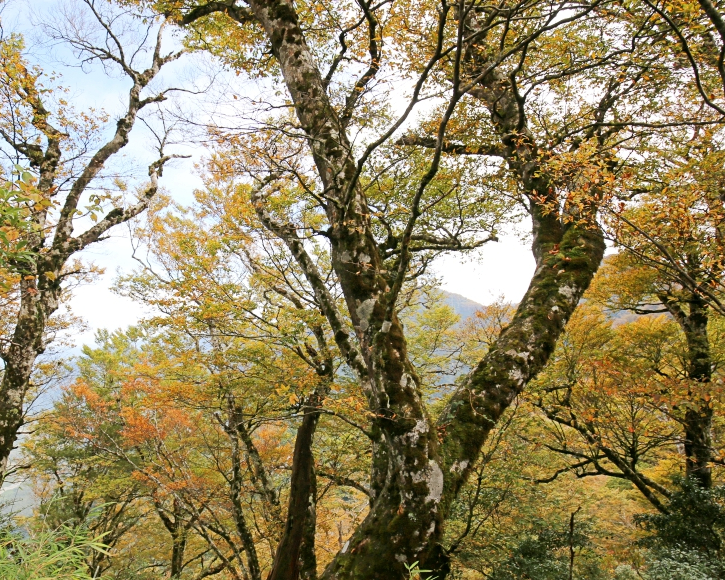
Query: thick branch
x=452 y=148
x=113 y=146
x=238 y=13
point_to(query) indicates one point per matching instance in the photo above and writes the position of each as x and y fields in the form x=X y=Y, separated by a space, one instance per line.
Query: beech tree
x=608 y=411
x=492 y=67
x=671 y=262
x=72 y=204
x=489 y=64
x=419 y=463
x=669 y=224
x=260 y=345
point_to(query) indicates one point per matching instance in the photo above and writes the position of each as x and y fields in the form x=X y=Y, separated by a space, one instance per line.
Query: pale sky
x=502 y=268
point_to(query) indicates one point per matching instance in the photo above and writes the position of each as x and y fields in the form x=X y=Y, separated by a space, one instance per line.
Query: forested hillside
x=302 y=399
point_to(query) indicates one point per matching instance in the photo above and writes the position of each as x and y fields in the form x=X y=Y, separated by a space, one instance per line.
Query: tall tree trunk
x=415 y=478
x=697 y=421
x=295 y=556
x=235 y=494
x=36 y=305
x=53 y=245
x=301 y=508
x=414 y=481
x=178 y=549
x=698 y=418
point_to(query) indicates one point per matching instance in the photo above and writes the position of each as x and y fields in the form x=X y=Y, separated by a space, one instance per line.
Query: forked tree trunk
x=418 y=466
x=178 y=529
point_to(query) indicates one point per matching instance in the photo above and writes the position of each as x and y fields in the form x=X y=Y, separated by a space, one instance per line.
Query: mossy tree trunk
x=419 y=466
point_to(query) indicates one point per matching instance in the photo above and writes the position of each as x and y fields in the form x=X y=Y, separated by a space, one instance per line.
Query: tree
x=77 y=486
x=672 y=262
x=68 y=153
x=608 y=410
x=415 y=476
x=677 y=190
x=108 y=460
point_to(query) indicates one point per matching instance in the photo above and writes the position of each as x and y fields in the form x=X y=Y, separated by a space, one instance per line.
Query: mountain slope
x=464 y=307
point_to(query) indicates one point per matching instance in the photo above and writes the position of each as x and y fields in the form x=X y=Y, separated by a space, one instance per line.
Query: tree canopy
x=300 y=400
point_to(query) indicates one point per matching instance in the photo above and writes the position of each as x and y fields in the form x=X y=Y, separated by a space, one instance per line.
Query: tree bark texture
x=419 y=466
x=288 y=561
x=410 y=518
x=178 y=528
x=36 y=305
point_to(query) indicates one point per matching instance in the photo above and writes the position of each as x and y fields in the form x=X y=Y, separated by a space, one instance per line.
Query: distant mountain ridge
x=464 y=307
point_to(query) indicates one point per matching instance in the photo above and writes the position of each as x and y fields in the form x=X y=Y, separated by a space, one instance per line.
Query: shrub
x=49 y=554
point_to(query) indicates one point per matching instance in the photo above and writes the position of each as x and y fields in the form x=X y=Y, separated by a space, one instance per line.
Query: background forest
x=301 y=399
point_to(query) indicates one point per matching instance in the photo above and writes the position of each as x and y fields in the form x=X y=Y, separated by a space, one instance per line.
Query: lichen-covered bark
x=568 y=251
x=415 y=479
x=39 y=297
x=407 y=506
x=36 y=305
x=520 y=352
